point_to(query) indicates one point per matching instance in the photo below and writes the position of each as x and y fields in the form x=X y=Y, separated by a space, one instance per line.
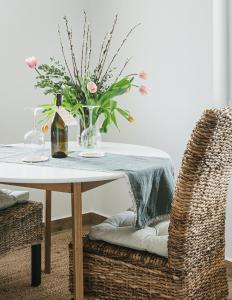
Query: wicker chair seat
x=107 y=267
x=134 y=257
x=20 y=225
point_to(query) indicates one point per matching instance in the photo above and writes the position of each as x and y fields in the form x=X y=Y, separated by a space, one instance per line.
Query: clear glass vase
x=91 y=138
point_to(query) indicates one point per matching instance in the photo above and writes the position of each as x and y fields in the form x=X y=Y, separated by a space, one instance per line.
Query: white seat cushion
x=119 y=230
x=9 y=198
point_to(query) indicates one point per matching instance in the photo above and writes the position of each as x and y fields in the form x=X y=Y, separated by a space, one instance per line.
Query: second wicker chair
x=21 y=225
x=195 y=268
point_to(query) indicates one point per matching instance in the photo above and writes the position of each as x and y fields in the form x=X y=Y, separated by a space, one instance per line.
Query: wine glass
x=91 y=138
x=34 y=141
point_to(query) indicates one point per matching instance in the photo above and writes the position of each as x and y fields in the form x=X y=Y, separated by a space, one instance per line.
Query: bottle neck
x=58 y=100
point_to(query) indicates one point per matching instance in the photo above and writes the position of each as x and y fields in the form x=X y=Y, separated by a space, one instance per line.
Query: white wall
x=220 y=52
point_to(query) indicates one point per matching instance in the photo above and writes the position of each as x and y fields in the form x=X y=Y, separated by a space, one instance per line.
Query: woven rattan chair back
x=196 y=232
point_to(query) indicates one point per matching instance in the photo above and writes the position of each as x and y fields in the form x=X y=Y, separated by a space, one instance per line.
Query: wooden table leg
x=77 y=242
x=47 y=269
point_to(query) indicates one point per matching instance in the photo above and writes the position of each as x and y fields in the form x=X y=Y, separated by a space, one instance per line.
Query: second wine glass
x=34 y=141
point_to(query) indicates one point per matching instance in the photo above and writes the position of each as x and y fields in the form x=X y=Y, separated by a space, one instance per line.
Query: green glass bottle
x=59 y=134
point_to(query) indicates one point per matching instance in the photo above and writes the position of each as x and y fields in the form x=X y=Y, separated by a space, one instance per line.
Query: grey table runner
x=151 y=179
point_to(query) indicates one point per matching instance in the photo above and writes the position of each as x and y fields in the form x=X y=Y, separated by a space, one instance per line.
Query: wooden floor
x=229 y=271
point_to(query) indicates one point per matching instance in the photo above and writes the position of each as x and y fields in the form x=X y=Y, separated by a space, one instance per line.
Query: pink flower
x=92 y=88
x=143 y=75
x=31 y=62
x=144 y=90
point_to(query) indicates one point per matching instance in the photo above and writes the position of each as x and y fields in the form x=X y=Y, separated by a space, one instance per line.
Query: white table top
x=29 y=173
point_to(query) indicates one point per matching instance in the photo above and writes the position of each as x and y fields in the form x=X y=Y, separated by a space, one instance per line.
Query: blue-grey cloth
x=151 y=179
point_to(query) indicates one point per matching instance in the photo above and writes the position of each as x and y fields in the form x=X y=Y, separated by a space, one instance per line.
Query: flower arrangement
x=81 y=85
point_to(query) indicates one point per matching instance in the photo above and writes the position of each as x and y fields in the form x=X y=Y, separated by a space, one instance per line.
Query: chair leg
x=36 y=265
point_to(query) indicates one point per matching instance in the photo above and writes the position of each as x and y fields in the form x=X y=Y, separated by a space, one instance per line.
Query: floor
x=229 y=271
x=15 y=274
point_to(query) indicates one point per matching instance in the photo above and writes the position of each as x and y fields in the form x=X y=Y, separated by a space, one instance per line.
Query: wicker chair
x=21 y=225
x=195 y=268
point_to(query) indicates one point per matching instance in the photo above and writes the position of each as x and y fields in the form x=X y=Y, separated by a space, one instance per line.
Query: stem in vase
x=91 y=116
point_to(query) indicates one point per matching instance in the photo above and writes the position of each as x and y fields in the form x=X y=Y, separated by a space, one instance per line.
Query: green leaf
x=48 y=106
x=113 y=105
x=123 y=113
x=121 y=83
x=47 y=116
x=113 y=118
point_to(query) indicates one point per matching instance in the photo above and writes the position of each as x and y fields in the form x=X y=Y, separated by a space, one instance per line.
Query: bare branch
x=83 y=43
x=123 y=68
x=69 y=34
x=86 y=49
x=119 y=49
x=75 y=69
x=100 y=56
x=63 y=53
x=107 y=47
x=90 y=49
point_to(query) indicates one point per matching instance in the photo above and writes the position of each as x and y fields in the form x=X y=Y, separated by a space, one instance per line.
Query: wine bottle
x=59 y=134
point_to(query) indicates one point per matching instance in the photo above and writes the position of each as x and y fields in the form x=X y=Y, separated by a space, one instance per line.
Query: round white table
x=74 y=182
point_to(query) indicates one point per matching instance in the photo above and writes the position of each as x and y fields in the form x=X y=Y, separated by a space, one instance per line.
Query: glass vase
x=91 y=138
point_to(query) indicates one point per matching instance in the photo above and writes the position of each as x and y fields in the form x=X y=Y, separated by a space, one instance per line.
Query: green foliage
x=54 y=80
x=108 y=106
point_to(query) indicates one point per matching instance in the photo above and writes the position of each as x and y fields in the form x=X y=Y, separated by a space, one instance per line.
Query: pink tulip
x=143 y=75
x=92 y=88
x=31 y=62
x=144 y=90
